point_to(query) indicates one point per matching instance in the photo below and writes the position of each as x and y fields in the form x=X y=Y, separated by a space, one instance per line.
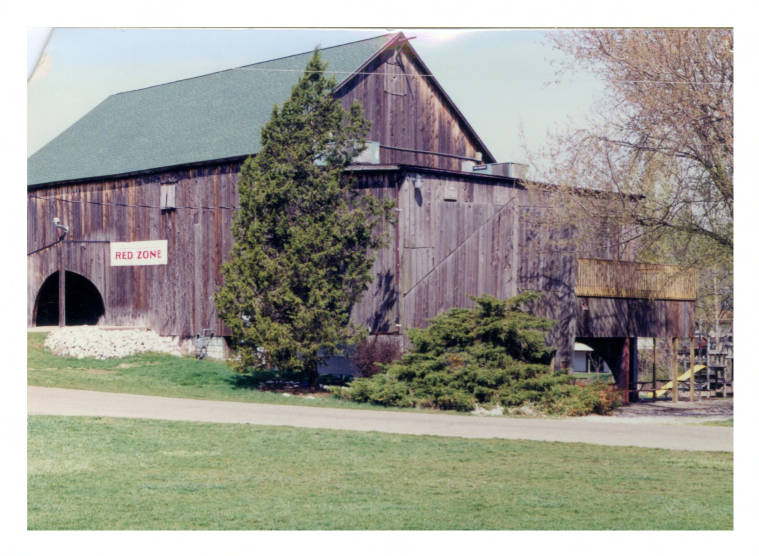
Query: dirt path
x=608 y=431
x=714 y=408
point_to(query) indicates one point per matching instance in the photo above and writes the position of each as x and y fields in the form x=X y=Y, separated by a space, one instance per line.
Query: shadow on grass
x=280 y=380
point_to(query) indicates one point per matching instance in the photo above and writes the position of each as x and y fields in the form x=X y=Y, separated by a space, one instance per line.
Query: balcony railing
x=604 y=278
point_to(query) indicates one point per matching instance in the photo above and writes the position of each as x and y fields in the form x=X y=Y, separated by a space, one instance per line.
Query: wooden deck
x=622 y=279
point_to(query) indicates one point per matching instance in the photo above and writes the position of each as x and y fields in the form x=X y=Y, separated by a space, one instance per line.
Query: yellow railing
x=604 y=278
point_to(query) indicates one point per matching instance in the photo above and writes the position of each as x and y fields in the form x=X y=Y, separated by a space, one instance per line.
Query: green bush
x=492 y=354
x=377 y=390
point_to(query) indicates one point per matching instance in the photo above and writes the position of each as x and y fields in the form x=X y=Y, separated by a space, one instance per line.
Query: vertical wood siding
x=174 y=299
x=452 y=250
x=377 y=309
x=407 y=111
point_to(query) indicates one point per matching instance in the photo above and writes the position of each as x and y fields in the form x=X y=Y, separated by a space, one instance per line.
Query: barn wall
x=377 y=310
x=463 y=236
x=454 y=249
x=407 y=111
x=174 y=299
x=495 y=238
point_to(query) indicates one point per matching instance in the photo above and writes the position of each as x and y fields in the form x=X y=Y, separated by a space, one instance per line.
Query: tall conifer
x=303 y=234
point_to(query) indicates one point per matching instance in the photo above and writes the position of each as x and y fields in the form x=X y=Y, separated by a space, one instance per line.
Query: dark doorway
x=621 y=354
x=84 y=304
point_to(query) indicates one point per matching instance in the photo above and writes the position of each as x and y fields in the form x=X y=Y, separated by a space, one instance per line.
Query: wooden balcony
x=605 y=278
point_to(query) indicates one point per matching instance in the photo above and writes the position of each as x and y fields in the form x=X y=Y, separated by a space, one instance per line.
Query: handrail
x=608 y=278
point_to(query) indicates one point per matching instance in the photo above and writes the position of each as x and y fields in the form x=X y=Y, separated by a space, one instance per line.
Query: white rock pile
x=100 y=343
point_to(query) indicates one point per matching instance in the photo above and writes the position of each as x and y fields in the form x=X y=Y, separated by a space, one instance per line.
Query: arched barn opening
x=84 y=304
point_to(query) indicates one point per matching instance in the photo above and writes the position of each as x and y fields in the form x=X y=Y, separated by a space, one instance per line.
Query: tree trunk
x=312 y=369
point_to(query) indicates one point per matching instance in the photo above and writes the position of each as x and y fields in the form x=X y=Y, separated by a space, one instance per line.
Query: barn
x=130 y=212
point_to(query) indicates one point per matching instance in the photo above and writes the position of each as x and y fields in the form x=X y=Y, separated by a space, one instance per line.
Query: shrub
x=492 y=354
x=381 y=390
x=373 y=353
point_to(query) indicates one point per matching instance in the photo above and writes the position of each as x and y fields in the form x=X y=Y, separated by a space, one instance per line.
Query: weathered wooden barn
x=144 y=187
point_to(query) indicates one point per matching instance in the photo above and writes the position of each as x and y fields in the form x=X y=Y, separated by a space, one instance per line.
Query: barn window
x=168 y=197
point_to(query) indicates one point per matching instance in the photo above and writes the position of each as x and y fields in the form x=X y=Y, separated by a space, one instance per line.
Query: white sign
x=139 y=253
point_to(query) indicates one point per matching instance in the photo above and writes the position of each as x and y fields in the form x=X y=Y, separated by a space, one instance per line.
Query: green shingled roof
x=210 y=117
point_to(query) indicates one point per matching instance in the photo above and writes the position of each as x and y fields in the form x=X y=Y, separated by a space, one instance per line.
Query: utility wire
x=56 y=242
x=414 y=75
x=538 y=220
x=129 y=205
x=223 y=207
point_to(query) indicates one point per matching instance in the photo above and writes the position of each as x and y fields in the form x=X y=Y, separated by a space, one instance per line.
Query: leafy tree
x=303 y=234
x=662 y=137
x=492 y=354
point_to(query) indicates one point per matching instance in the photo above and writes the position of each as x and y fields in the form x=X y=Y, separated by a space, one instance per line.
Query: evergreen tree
x=303 y=234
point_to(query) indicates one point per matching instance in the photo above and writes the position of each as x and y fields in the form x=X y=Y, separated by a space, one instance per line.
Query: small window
x=168 y=197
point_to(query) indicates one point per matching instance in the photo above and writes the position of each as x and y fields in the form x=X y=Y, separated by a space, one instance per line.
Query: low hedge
x=491 y=355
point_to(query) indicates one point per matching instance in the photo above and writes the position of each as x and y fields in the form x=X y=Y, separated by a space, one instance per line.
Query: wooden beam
x=675 y=383
x=633 y=384
x=624 y=371
x=692 y=369
x=653 y=374
x=61 y=287
x=724 y=379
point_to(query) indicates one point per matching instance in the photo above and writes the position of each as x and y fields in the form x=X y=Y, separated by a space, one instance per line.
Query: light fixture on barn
x=59 y=226
x=417 y=181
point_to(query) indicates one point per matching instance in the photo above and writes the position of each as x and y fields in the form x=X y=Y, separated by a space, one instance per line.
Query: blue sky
x=496 y=77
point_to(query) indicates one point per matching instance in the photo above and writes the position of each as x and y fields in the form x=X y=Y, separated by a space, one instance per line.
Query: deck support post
x=724 y=380
x=633 y=384
x=675 y=383
x=624 y=371
x=692 y=370
x=653 y=374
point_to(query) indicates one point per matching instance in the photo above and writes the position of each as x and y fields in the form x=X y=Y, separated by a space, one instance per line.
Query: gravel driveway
x=608 y=431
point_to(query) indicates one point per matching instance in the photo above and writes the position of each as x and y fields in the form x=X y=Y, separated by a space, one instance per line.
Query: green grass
x=95 y=473
x=721 y=423
x=603 y=377
x=155 y=374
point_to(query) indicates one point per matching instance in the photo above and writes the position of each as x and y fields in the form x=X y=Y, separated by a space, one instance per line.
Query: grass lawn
x=725 y=423
x=155 y=374
x=95 y=473
x=603 y=377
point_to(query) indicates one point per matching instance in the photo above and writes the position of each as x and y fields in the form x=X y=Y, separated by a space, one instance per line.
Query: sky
x=498 y=78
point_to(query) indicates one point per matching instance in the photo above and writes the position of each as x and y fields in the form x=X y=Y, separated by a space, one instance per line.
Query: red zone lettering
x=130 y=255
